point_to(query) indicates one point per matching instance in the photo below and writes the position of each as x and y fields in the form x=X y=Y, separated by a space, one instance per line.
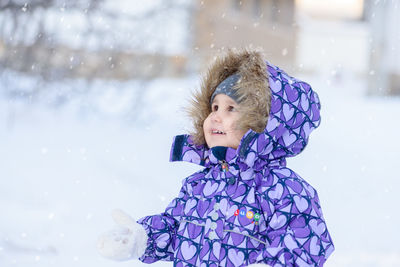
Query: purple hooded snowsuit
x=246 y=206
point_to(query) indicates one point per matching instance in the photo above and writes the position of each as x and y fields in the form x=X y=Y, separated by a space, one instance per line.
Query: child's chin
x=214 y=144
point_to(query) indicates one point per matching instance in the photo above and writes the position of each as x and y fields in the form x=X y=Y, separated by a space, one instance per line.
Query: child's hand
x=127 y=241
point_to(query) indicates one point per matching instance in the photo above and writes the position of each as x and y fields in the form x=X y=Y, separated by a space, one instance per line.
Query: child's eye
x=214 y=108
x=231 y=108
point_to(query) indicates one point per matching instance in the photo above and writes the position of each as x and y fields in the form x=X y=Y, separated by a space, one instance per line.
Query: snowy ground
x=64 y=169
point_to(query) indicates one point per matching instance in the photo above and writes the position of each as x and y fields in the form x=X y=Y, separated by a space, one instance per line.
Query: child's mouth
x=217 y=132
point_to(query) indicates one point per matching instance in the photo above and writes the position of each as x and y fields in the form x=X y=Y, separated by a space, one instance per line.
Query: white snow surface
x=65 y=167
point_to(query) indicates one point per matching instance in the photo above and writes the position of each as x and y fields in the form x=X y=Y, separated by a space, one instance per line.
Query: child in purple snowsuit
x=245 y=206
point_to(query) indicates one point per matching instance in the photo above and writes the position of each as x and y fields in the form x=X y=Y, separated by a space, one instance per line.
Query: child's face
x=220 y=126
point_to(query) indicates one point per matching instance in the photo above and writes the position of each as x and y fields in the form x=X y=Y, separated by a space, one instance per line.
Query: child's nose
x=216 y=116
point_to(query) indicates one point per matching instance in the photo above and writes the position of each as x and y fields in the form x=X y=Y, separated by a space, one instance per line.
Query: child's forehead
x=222 y=98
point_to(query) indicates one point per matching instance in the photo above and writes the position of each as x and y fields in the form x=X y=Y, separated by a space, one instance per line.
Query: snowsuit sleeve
x=161 y=230
x=296 y=230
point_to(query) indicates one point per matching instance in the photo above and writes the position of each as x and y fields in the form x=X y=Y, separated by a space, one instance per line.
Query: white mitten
x=258 y=265
x=127 y=241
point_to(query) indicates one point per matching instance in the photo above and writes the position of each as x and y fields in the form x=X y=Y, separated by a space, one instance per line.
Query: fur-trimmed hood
x=252 y=90
x=290 y=107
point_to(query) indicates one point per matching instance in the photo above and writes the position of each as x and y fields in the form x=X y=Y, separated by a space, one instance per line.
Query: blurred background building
x=269 y=24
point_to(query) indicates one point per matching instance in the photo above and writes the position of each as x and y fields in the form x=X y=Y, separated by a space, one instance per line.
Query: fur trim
x=253 y=90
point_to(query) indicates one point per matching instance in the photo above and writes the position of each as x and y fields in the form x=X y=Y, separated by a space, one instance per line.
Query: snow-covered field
x=63 y=169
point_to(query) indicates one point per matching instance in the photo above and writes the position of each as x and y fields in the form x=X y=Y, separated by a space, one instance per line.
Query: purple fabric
x=257 y=210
